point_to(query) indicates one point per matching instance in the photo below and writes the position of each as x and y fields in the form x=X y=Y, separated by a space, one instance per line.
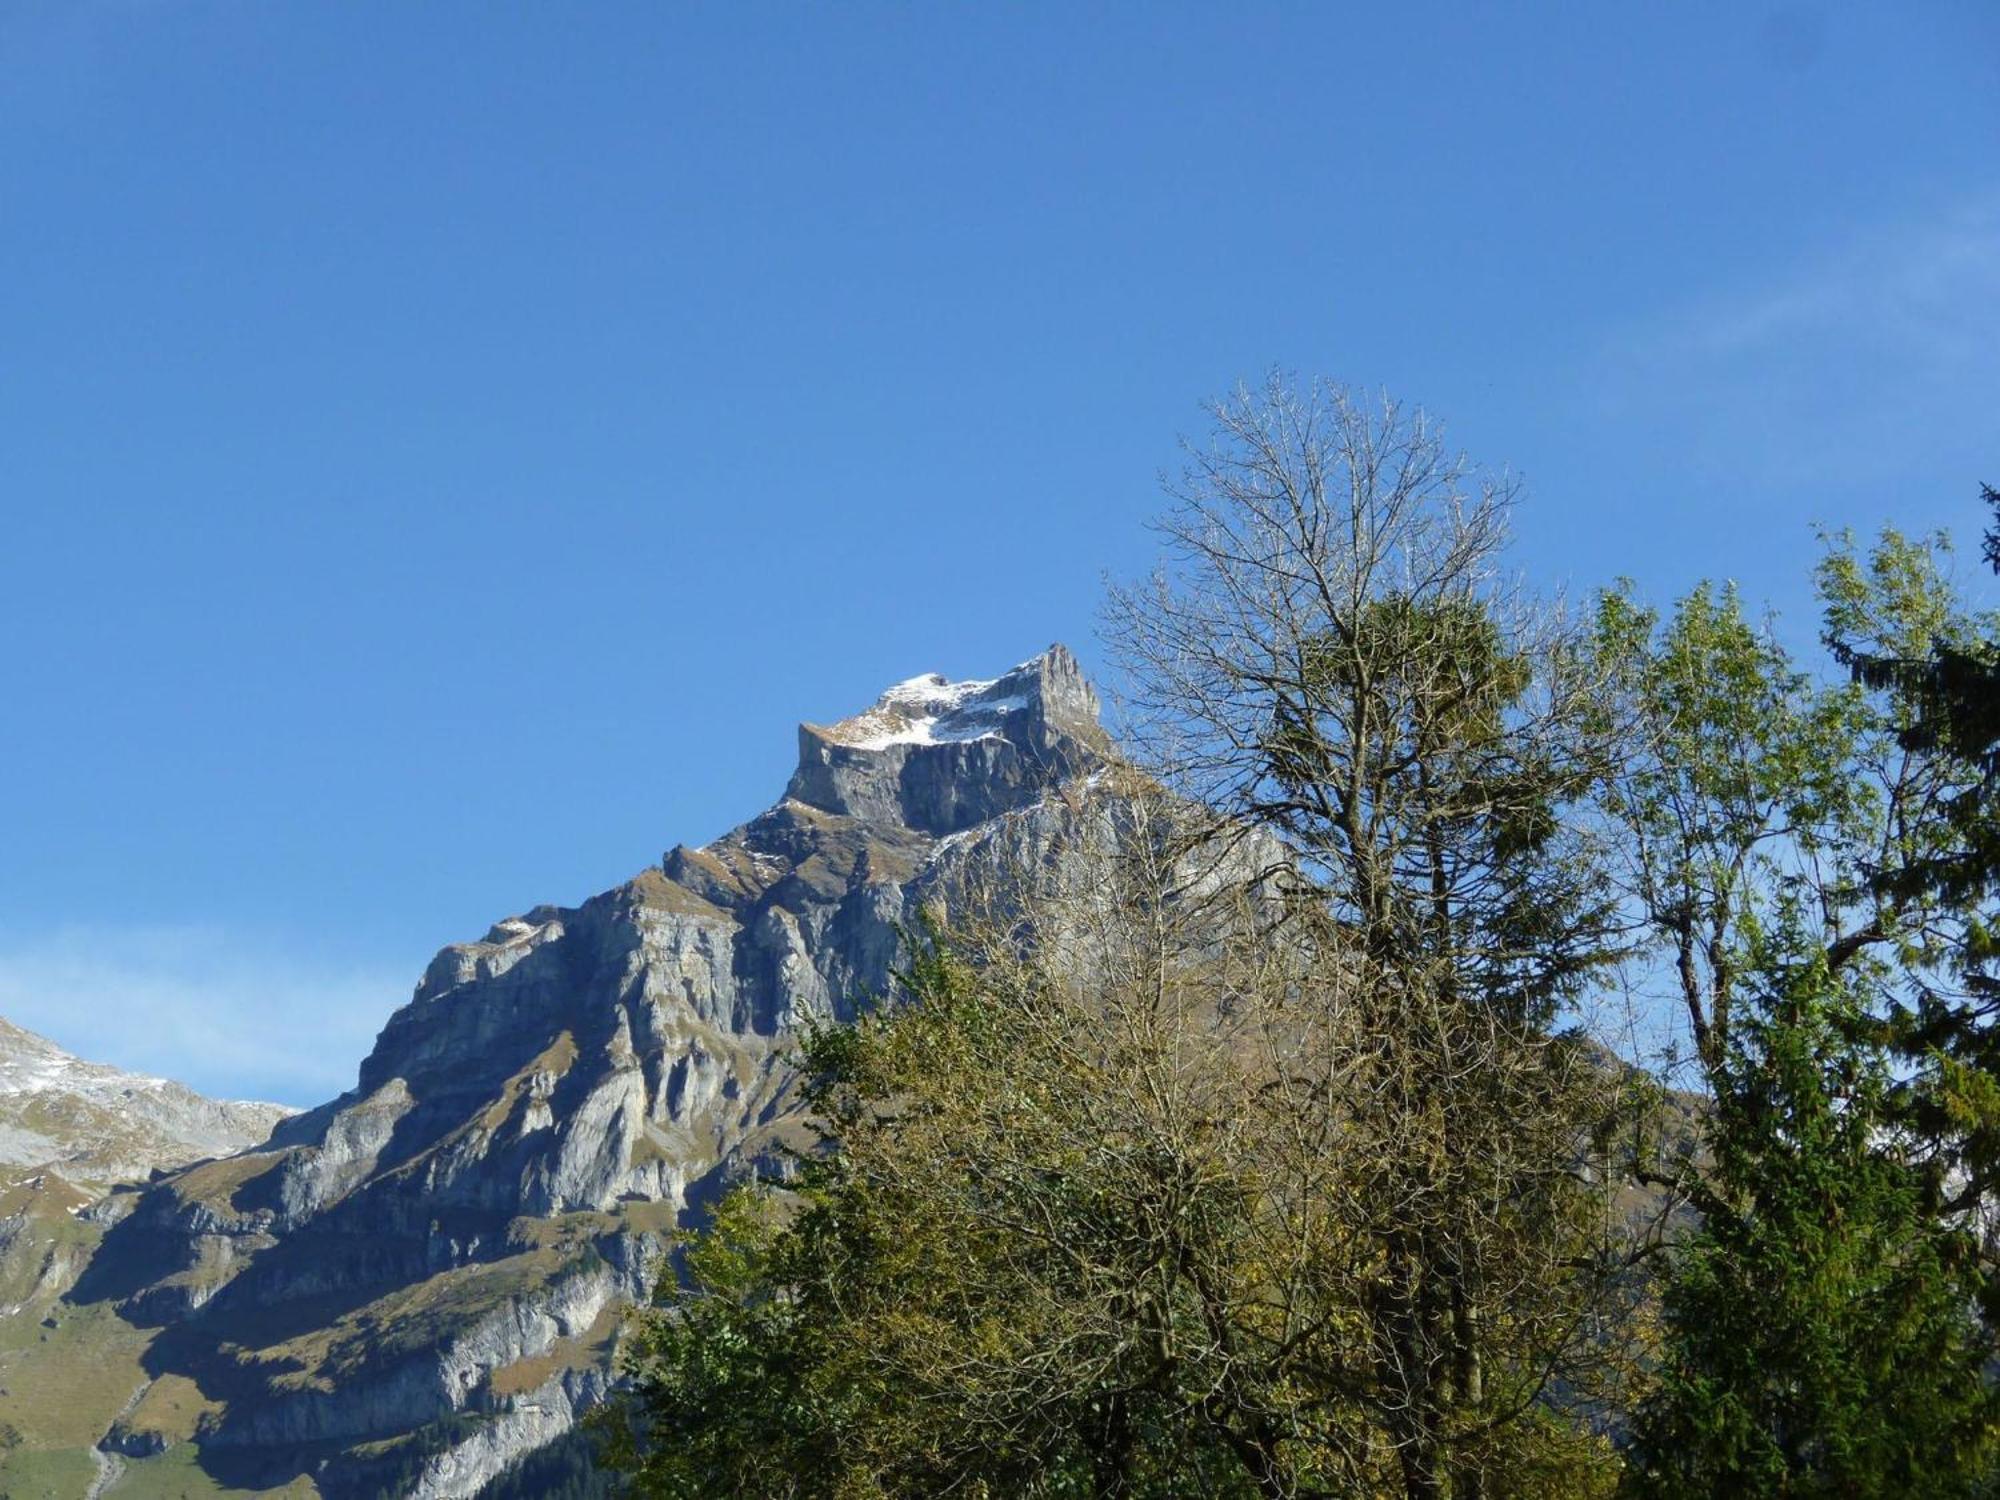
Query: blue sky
x=445 y=448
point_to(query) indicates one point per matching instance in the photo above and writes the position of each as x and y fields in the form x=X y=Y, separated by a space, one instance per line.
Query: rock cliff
x=405 y=1290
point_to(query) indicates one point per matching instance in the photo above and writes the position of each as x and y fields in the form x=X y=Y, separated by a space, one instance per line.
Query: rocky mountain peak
x=932 y=709
x=558 y=1096
x=938 y=756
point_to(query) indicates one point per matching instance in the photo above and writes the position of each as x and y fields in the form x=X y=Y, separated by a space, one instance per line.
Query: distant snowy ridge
x=95 y=1123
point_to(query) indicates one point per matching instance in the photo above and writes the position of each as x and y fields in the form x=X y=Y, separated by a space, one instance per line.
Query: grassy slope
x=65 y=1372
x=176 y=1475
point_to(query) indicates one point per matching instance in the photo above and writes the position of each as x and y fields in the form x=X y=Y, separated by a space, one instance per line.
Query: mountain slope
x=412 y=1286
x=68 y=1130
x=96 y=1125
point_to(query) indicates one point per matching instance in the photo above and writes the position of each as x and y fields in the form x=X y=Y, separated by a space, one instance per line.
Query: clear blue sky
x=446 y=448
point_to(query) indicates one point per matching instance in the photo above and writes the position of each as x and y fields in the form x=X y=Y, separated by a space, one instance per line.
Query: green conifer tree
x=1821 y=1334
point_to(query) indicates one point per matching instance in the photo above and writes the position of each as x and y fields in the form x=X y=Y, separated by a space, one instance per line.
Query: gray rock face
x=425 y=1267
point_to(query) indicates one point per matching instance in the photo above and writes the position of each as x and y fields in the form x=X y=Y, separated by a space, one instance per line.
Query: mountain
x=418 y=1284
x=70 y=1130
x=95 y=1125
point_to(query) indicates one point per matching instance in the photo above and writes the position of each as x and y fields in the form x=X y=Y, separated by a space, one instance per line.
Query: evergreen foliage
x=1821 y=1334
x=1942 y=684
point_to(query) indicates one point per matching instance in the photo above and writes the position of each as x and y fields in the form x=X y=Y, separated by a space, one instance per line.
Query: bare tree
x=1333 y=653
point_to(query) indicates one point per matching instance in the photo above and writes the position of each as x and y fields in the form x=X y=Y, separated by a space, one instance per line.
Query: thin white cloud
x=1839 y=366
x=1924 y=292
x=229 y=1015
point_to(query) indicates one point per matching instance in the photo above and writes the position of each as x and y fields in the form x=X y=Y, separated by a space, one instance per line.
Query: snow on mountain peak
x=930 y=710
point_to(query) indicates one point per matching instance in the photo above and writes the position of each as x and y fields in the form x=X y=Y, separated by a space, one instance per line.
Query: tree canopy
x=1252 y=1138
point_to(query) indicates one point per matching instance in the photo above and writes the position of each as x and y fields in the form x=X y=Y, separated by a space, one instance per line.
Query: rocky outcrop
x=373 y=1398
x=410 y=1287
x=529 y=1423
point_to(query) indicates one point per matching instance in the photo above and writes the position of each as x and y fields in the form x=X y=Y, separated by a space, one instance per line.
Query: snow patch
x=33 y=1065
x=931 y=710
